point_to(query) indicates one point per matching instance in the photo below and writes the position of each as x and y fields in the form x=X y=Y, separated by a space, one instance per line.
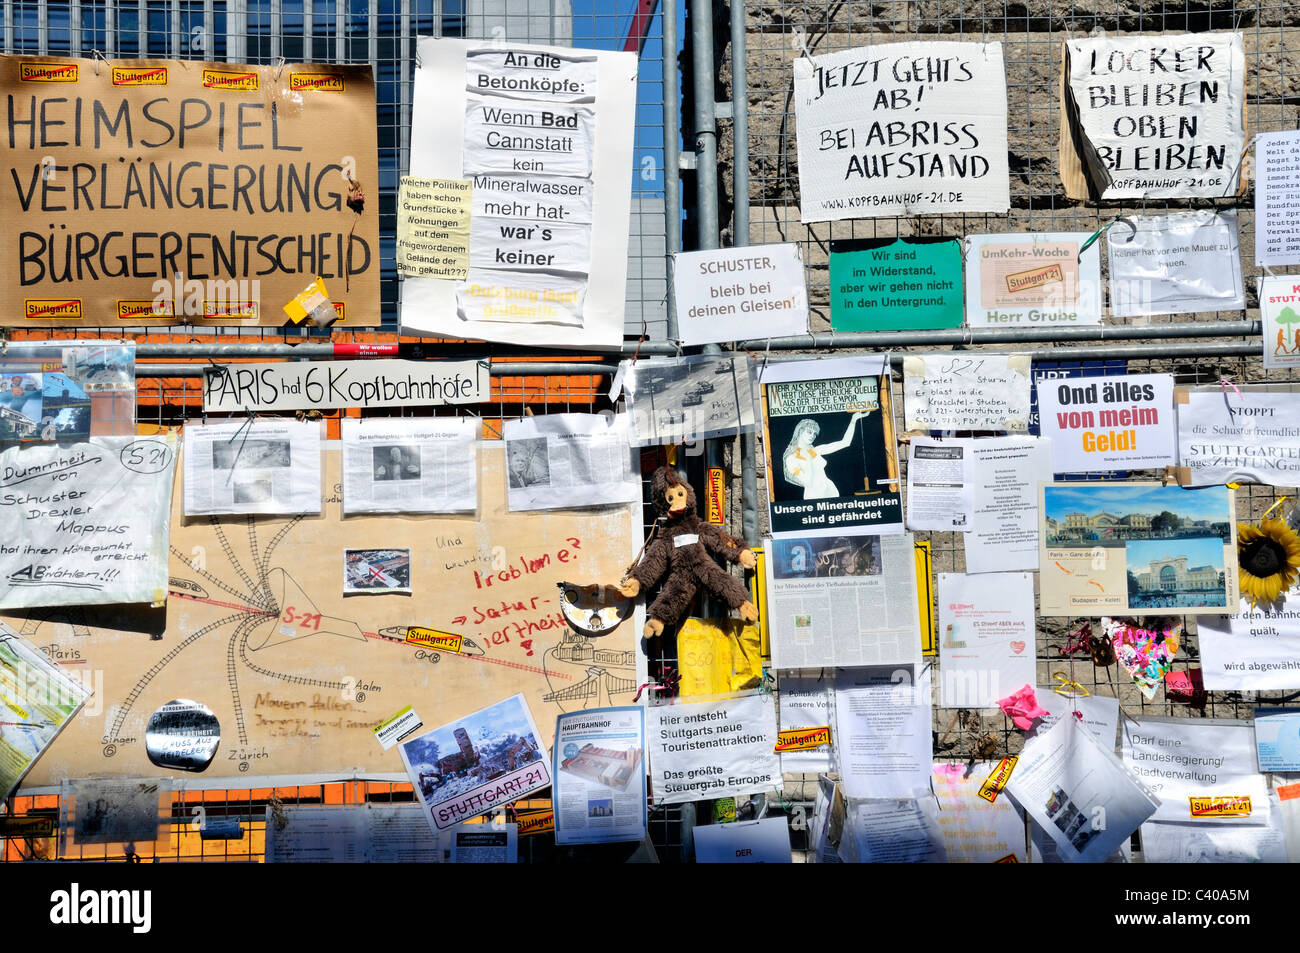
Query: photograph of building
x=1178 y=574
x=1095 y=514
x=607 y=766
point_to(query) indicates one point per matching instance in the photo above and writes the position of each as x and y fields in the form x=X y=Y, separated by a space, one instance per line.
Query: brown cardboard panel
x=171 y=192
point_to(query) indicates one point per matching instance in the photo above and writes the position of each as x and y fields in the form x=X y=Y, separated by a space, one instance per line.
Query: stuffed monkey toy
x=681 y=548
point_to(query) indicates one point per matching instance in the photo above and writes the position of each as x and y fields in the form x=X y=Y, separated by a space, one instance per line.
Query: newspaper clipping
x=842 y=600
x=412 y=465
x=256 y=465
x=565 y=460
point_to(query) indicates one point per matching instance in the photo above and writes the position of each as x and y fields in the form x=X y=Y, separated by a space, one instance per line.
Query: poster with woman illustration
x=832 y=462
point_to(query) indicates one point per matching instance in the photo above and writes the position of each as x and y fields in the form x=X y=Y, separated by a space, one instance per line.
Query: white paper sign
x=975 y=831
x=567 y=460
x=1215 y=843
x=940 y=491
x=1247 y=437
x=1004 y=530
x=956 y=392
x=1256 y=650
x=1277 y=198
x=712 y=749
x=805 y=703
x=1279 y=313
x=329 y=385
x=257 y=465
x=1100 y=714
x=1204 y=774
x=1032 y=279
x=1162 y=115
x=902 y=129
x=85 y=523
x=1175 y=264
x=883 y=741
x=1110 y=423
x=410 y=465
x=546 y=135
x=766 y=841
x=735 y=294
x=986 y=624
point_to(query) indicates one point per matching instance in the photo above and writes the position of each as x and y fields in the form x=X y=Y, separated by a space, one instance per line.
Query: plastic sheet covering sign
x=150 y=191
x=257 y=628
x=85 y=523
x=902 y=129
x=545 y=136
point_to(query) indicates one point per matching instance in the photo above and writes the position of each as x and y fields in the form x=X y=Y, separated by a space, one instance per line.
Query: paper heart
x=1017 y=647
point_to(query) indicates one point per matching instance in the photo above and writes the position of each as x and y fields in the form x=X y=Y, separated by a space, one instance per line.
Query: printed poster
x=1258 y=649
x=713 y=749
x=544 y=134
x=1277 y=196
x=1003 y=534
x=883 y=741
x=483 y=761
x=1249 y=434
x=832 y=460
x=599 y=769
x=687 y=399
x=66 y=390
x=1132 y=549
x=805 y=703
x=956 y=392
x=1116 y=423
x=940 y=485
x=257 y=465
x=738 y=294
x=900 y=284
x=1032 y=279
x=1279 y=312
x=1153 y=117
x=1181 y=263
x=433 y=217
x=975 y=831
x=86 y=523
x=987 y=649
x=902 y=129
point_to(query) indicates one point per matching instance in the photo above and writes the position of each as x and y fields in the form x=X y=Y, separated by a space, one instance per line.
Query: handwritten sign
x=1279 y=313
x=165 y=190
x=739 y=293
x=1033 y=280
x=902 y=129
x=894 y=286
x=85 y=523
x=947 y=392
x=1116 y=423
x=327 y=385
x=1156 y=116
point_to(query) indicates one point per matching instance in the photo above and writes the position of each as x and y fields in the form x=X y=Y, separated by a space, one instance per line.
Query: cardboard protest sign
x=895 y=285
x=902 y=129
x=1109 y=424
x=1175 y=264
x=1279 y=313
x=544 y=134
x=1153 y=116
x=1032 y=279
x=731 y=294
x=1277 y=195
x=85 y=523
x=156 y=191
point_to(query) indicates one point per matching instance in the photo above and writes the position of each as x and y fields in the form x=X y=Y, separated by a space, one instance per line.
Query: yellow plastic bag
x=718 y=655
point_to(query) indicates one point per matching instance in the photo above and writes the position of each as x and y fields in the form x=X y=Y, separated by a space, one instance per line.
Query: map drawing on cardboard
x=257 y=628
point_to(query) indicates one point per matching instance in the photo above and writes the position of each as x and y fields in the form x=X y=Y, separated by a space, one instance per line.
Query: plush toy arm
x=721 y=543
x=653 y=564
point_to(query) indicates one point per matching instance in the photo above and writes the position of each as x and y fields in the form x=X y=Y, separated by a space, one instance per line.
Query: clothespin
x=97 y=56
x=279 y=67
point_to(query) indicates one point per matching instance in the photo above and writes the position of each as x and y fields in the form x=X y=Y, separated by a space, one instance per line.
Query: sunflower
x=1268 y=559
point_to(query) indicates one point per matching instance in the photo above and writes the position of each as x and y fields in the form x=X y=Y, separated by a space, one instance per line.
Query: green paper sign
x=900 y=286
